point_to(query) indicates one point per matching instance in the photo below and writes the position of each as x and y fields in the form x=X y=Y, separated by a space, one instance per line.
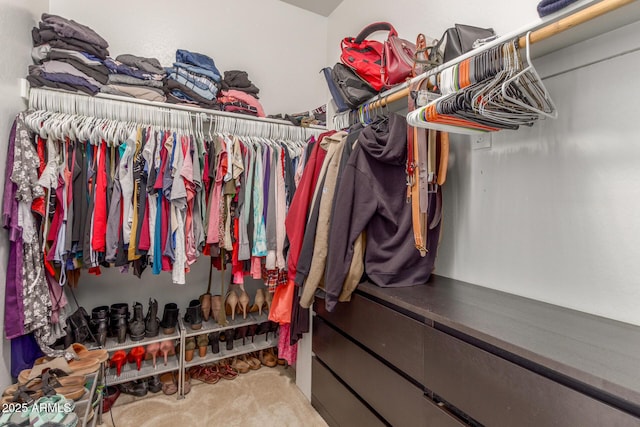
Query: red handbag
x=379 y=64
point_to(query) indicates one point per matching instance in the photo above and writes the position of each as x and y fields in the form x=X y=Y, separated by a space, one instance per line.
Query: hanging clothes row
x=125 y=194
x=87 y=192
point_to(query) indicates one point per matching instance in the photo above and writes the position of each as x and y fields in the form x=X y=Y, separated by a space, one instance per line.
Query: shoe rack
x=260 y=342
x=129 y=370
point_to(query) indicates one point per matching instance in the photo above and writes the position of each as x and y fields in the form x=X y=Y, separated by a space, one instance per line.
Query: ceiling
x=323 y=7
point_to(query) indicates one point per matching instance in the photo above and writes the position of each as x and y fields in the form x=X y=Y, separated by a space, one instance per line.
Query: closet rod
x=179 y=107
x=573 y=20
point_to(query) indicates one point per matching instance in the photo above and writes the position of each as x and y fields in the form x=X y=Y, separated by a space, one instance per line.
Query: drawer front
x=393 y=397
x=392 y=336
x=335 y=403
x=496 y=392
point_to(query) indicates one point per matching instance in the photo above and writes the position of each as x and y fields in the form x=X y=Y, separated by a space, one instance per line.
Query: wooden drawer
x=336 y=403
x=394 y=337
x=392 y=396
x=496 y=392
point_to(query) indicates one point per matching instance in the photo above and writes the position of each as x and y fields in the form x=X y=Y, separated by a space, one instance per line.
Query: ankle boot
x=193 y=317
x=136 y=326
x=118 y=317
x=152 y=323
x=229 y=336
x=214 y=341
x=153 y=383
x=205 y=303
x=170 y=318
x=99 y=323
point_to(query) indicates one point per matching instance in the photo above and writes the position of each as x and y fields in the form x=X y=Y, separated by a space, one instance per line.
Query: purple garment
x=266 y=161
x=71 y=80
x=116 y=67
x=13 y=302
x=24 y=352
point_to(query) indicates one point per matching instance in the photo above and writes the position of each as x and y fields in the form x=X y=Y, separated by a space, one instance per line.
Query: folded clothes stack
x=135 y=76
x=235 y=101
x=239 y=94
x=68 y=55
x=194 y=79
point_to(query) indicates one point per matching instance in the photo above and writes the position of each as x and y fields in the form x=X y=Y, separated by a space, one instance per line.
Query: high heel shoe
x=263 y=328
x=251 y=331
x=118 y=359
x=273 y=327
x=232 y=302
x=241 y=332
x=268 y=297
x=205 y=305
x=167 y=348
x=244 y=302
x=152 y=351
x=136 y=354
x=258 y=301
x=216 y=306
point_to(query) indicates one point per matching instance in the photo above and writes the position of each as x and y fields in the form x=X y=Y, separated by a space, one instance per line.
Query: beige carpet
x=263 y=398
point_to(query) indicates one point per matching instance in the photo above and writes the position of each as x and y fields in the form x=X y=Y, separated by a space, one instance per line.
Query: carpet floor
x=263 y=398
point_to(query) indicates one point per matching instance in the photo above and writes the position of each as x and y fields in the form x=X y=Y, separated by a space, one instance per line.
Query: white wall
x=282 y=47
x=548 y=212
x=16 y=20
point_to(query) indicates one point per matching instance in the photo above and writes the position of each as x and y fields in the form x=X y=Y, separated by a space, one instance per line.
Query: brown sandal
x=226 y=371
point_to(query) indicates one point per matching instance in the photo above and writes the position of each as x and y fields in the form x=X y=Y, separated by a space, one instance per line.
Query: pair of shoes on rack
x=233 y=301
x=120 y=358
x=189 y=348
x=202 y=341
x=268 y=358
x=169 y=383
x=166 y=348
x=136 y=388
x=263 y=297
x=206 y=373
x=210 y=306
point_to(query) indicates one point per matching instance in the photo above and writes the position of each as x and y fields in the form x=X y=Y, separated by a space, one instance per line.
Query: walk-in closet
x=339 y=213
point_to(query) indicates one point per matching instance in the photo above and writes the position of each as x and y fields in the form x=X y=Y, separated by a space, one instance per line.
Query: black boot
x=214 y=340
x=78 y=324
x=118 y=320
x=193 y=317
x=136 y=326
x=229 y=336
x=170 y=318
x=99 y=323
x=152 y=323
x=153 y=384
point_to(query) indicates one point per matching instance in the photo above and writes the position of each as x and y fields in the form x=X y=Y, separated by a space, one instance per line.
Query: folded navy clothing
x=547 y=7
x=197 y=59
x=116 y=67
x=182 y=91
x=39 y=81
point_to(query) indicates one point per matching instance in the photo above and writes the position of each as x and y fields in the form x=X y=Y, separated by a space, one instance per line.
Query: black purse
x=458 y=40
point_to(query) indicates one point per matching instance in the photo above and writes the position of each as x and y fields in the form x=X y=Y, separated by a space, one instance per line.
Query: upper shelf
x=623 y=15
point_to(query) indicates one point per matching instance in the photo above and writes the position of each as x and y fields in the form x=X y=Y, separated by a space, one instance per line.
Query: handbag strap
x=372 y=28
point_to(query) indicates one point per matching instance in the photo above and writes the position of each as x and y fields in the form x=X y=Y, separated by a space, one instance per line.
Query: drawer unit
x=336 y=403
x=496 y=392
x=395 y=398
x=394 y=337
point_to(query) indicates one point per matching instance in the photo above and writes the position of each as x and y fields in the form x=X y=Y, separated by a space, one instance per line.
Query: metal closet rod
x=543 y=33
x=166 y=106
